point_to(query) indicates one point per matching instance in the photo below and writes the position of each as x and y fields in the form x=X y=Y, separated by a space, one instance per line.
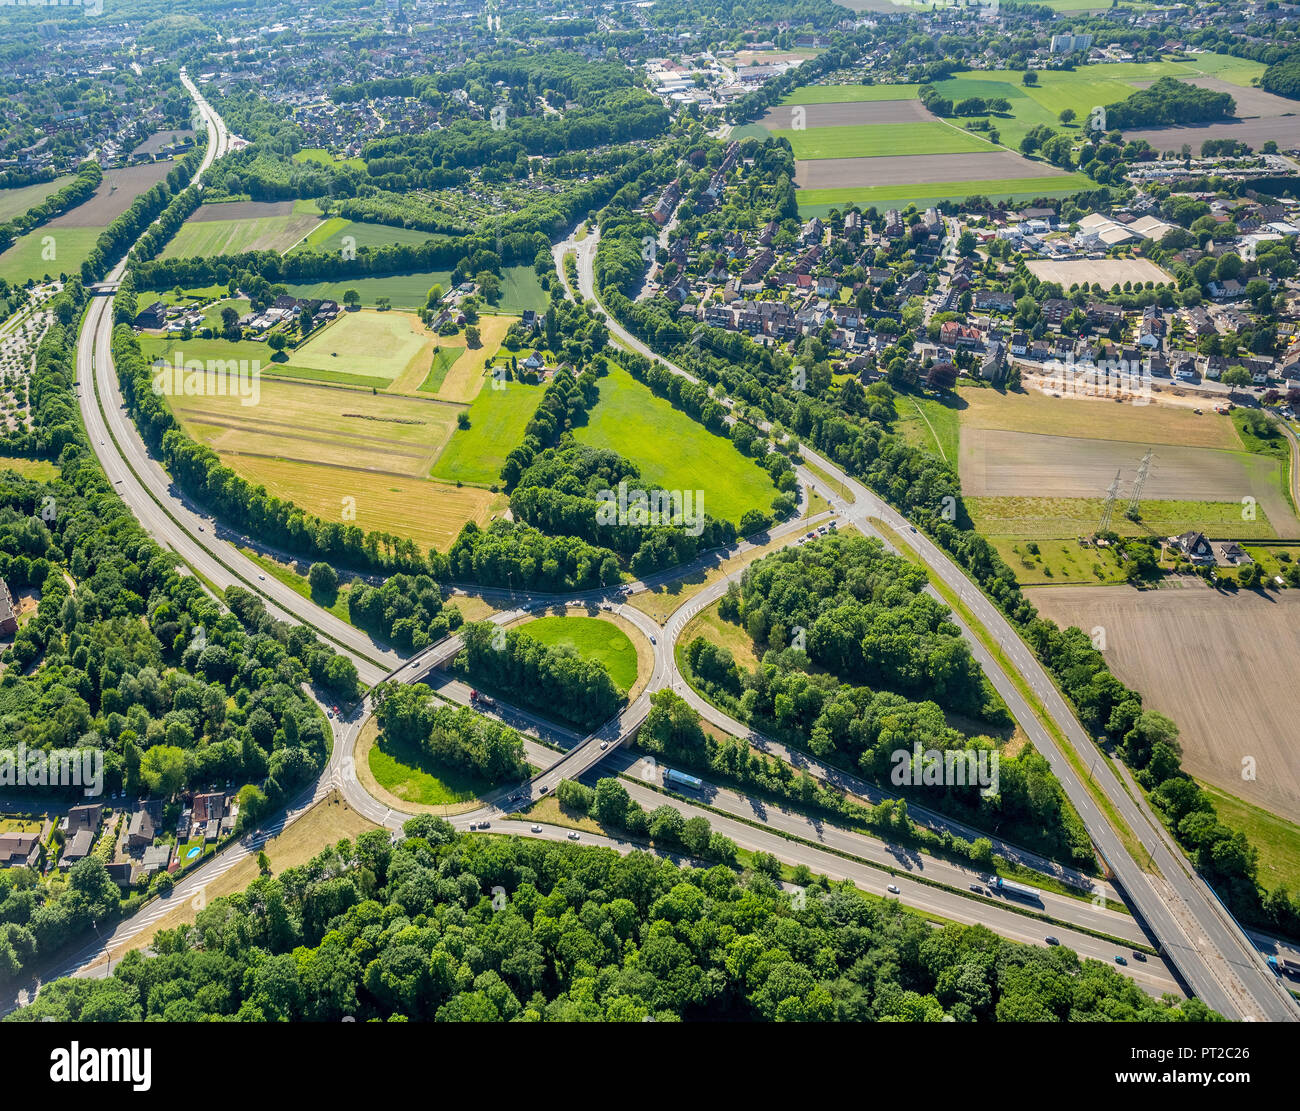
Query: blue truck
x=681 y=779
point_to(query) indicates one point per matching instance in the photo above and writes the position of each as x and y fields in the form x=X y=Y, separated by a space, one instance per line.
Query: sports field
x=231 y=229
x=592 y=638
x=497 y=420
x=881 y=139
x=376 y=344
x=673 y=451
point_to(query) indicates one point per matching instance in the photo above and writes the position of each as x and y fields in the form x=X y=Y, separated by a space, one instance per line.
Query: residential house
x=154 y=316
x=8 y=616
x=145 y=823
x=76 y=848
x=19 y=850
x=1195 y=547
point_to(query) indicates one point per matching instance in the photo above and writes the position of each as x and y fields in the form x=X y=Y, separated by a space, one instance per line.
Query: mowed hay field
x=882 y=140
x=377 y=344
x=1035 y=466
x=333 y=451
x=673 y=451
x=1219 y=664
x=238 y=226
x=463 y=377
x=336 y=233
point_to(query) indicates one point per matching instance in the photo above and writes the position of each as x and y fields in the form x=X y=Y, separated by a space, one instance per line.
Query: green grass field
x=818 y=202
x=329 y=235
x=409 y=773
x=324 y=158
x=1277 y=839
x=1036 y=518
x=497 y=420
x=171 y=346
x=520 y=289
x=931 y=423
x=443 y=359
x=874 y=140
x=849 y=94
x=592 y=639
x=673 y=451
x=1058 y=562
x=205 y=238
x=14 y=202
x=25 y=259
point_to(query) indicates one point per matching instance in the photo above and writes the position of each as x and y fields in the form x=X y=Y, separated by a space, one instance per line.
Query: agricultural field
x=384 y=345
x=819 y=202
x=231 y=228
x=460 y=375
x=1212 y=661
x=1260 y=116
x=170 y=347
x=497 y=419
x=113 y=197
x=592 y=638
x=673 y=451
x=443 y=360
x=931 y=423
x=14 y=202
x=881 y=140
x=1106 y=272
x=849 y=94
x=329 y=235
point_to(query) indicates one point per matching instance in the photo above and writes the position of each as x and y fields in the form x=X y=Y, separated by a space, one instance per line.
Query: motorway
x=176 y=524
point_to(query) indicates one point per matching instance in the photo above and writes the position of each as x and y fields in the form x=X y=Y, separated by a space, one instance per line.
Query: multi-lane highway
x=177 y=524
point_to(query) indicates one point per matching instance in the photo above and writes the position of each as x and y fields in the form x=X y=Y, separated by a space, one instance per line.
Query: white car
x=604 y=745
x=573 y=835
x=537 y=829
x=892 y=889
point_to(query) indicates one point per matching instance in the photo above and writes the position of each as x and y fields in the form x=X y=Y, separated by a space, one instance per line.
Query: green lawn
x=338 y=606
x=1058 y=562
x=404 y=291
x=409 y=773
x=818 y=202
x=521 y=289
x=592 y=639
x=1277 y=839
x=930 y=422
x=28 y=256
x=673 y=451
x=874 y=140
x=443 y=360
x=849 y=94
x=497 y=420
x=170 y=346
x=42 y=470
x=1036 y=518
x=207 y=238
x=325 y=158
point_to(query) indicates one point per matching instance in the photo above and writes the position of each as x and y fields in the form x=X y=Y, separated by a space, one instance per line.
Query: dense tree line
x=405 y=610
x=520 y=557
x=1283 y=78
x=454 y=736
x=556 y=681
x=373 y=930
x=1169 y=102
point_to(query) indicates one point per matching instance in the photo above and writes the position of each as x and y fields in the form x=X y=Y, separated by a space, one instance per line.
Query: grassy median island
x=592 y=639
x=407 y=775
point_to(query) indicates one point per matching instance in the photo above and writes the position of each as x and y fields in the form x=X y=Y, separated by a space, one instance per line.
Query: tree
x=230 y=322
x=163 y=770
x=472 y=336
x=1029 y=78
x=1067 y=116
x=351 y=298
x=323 y=580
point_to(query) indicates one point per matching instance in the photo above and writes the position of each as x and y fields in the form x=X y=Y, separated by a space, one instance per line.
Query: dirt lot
x=241 y=210
x=845 y=114
x=847 y=173
x=1260 y=116
x=997 y=463
x=1212 y=662
x=113 y=197
x=1106 y=271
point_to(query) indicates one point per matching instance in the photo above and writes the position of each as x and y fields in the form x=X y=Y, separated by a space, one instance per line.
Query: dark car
x=1052 y=940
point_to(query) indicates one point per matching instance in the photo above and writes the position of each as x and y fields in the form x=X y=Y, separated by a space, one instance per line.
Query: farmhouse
x=1195 y=547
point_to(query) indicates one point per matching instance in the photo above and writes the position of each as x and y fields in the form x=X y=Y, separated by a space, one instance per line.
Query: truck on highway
x=1019 y=890
x=674 y=778
x=481 y=700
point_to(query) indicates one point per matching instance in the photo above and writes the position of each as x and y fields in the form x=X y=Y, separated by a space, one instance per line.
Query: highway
x=176 y=524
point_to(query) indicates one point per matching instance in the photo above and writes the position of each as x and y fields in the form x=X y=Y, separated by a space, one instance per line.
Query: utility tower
x=1135 y=502
x=1111 y=495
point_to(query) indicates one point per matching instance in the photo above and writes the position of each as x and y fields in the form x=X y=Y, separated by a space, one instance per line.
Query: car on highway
x=262 y=577
x=653 y=641
x=977 y=889
x=604 y=745
x=892 y=889
x=1052 y=940
x=573 y=835
x=542 y=789
x=536 y=829
x=485 y=825
x=201 y=529
x=1120 y=960
x=1138 y=955
x=473 y=825
x=912 y=527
